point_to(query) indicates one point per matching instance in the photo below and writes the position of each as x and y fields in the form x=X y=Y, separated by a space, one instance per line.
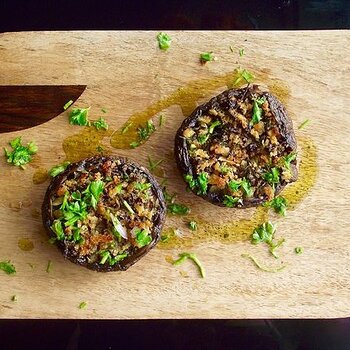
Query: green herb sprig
x=20 y=155
x=193 y=257
x=278 y=204
x=7 y=267
x=164 y=41
x=58 y=169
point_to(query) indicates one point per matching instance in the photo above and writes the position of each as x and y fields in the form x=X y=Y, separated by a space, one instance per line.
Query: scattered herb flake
x=14 y=298
x=82 y=305
x=244 y=76
x=303 y=124
x=142 y=186
x=263 y=268
x=154 y=164
x=99 y=149
x=164 y=41
x=288 y=159
x=161 y=120
x=193 y=257
x=58 y=169
x=68 y=104
x=178 y=209
x=279 y=205
x=231 y=48
x=20 y=155
x=57 y=228
x=272 y=177
x=230 y=201
x=100 y=124
x=126 y=127
x=206 y=57
x=103 y=110
x=241 y=52
x=299 y=250
x=49 y=266
x=164 y=238
x=79 y=116
x=7 y=267
x=143 y=238
x=144 y=133
x=193 y=225
x=202 y=183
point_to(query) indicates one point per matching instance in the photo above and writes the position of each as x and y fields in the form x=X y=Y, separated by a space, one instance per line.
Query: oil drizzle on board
x=25 y=244
x=86 y=142
x=40 y=176
x=240 y=230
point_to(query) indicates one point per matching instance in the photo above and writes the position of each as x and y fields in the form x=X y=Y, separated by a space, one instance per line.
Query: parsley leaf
x=193 y=225
x=193 y=257
x=298 y=250
x=206 y=57
x=178 y=209
x=58 y=169
x=263 y=268
x=241 y=52
x=257 y=111
x=279 y=204
x=82 y=305
x=68 y=104
x=230 y=201
x=204 y=138
x=7 y=267
x=303 y=124
x=142 y=186
x=100 y=124
x=288 y=159
x=143 y=238
x=265 y=233
x=164 y=41
x=94 y=191
x=79 y=116
x=144 y=133
x=20 y=155
x=202 y=183
x=272 y=177
x=57 y=228
x=244 y=76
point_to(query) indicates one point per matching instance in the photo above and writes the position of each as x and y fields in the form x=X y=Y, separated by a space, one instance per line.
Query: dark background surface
x=175 y=334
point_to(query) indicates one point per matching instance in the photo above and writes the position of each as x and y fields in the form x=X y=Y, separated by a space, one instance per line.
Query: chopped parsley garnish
x=178 y=209
x=230 y=201
x=144 y=133
x=100 y=124
x=164 y=238
x=94 y=191
x=7 y=267
x=204 y=138
x=257 y=111
x=272 y=177
x=263 y=268
x=265 y=234
x=49 y=266
x=164 y=41
x=299 y=250
x=126 y=127
x=68 y=104
x=142 y=186
x=82 y=305
x=154 y=164
x=20 y=155
x=193 y=225
x=288 y=159
x=244 y=76
x=193 y=257
x=142 y=238
x=99 y=149
x=241 y=52
x=202 y=183
x=161 y=120
x=79 y=116
x=58 y=169
x=279 y=205
x=106 y=256
x=57 y=228
x=14 y=298
x=206 y=57
x=231 y=48
x=303 y=124
x=244 y=184
x=103 y=110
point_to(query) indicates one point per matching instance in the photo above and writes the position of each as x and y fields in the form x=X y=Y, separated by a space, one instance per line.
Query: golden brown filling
x=105 y=213
x=238 y=151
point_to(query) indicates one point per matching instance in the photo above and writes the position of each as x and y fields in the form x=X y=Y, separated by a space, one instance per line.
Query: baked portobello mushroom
x=104 y=213
x=238 y=149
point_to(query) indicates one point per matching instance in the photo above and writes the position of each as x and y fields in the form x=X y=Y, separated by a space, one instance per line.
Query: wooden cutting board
x=127 y=74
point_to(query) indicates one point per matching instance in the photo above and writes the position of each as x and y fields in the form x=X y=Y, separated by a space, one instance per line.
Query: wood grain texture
x=25 y=106
x=125 y=72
